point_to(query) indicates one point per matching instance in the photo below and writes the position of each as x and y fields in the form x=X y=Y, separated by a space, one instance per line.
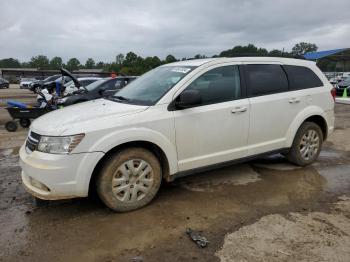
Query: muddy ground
x=263 y=210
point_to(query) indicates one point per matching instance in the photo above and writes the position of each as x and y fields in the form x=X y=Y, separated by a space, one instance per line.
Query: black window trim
x=289 y=85
x=244 y=69
x=172 y=107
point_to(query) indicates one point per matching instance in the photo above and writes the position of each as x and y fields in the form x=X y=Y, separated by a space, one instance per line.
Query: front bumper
x=53 y=176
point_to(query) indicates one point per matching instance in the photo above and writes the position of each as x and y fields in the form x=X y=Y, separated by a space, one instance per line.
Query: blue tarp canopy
x=342 y=54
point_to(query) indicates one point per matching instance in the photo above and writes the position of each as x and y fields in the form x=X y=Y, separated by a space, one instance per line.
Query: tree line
x=133 y=64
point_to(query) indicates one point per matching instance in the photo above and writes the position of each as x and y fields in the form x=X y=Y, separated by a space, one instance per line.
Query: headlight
x=59 y=144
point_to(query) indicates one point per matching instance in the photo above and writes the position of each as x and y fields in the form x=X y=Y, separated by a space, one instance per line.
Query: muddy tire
x=129 y=179
x=11 y=126
x=307 y=144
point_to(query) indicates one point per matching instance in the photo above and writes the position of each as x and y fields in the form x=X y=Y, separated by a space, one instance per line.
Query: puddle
x=214 y=180
x=338 y=178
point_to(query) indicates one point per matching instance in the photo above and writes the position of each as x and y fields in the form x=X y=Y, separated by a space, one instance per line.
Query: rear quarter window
x=301 y=77
x=265 y=79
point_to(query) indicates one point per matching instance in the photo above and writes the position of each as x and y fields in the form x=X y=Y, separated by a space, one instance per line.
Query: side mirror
x=188 y=98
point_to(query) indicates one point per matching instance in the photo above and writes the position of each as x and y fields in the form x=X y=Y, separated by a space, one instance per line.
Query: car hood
x=82 y=116
x=344 y=83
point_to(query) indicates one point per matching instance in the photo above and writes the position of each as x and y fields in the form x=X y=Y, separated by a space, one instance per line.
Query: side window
x=110 y=85
x=120 y=83
x=85 y=82
x=218 y=85
x=301 y=77
x=265 y=79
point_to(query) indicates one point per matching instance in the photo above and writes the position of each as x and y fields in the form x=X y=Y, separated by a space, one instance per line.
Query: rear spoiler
x=65 y=72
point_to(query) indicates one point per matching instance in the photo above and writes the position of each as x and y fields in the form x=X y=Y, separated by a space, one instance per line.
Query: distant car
x=101 y=88
x=25 y=82
x=4 y=83
x=342 y=85
x=41 y=84
x=70 y=87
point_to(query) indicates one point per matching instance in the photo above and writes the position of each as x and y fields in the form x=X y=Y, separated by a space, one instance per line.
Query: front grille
x=32 y=141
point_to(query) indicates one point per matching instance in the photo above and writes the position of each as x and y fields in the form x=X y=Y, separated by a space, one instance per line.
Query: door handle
x=239 y=110
x=294 y=100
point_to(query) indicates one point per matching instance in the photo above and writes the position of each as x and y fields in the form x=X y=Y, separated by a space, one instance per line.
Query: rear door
x=273 y=107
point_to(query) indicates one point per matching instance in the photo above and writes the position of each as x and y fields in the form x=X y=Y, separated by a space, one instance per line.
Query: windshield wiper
x=121 y=98
x=118 y=98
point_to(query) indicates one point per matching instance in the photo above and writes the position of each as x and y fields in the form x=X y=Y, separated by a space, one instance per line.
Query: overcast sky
x=102 y=29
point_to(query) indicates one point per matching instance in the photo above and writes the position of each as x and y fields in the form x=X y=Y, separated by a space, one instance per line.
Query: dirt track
x=264 y=210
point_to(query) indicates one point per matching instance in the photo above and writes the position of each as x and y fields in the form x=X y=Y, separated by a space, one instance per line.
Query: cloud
x=102 y=29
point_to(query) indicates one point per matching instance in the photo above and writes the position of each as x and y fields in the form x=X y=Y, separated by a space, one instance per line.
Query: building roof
x=340 y=54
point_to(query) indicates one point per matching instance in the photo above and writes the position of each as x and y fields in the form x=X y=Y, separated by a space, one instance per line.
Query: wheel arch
x=152 y=147
x=311 y=114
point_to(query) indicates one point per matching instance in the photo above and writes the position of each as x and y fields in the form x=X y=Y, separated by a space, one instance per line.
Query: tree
x=100 y=65
x=249 y=50
x=199 y=56
x=301 y=48
x=9 y=63
x=73 y=64
x=119 y=59
x=130 y=59
x=56 y=62
x=170 y=59
x=40 y=62
x=90 y=63
x=276 y=53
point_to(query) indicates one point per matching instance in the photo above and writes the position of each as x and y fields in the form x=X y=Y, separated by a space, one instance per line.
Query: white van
x=177 y=119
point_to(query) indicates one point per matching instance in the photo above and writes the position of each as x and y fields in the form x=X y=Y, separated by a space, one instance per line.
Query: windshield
x=150 y=87
x=95 y=84
x=70 y=83
x=51 y=78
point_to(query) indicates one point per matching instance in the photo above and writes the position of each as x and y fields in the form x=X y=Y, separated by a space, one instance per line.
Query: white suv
x=177 y=119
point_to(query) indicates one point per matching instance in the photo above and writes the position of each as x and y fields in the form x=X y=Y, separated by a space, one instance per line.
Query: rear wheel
x=24 y=122
x=11 y=126
x=129 y=180
x=307 y=144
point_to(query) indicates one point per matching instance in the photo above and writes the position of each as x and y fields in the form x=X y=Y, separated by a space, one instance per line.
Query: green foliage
x=73 y=64
x=90 y=63
x=40 y=62
x=170 y=59
x=56 y=62
x=9 y=63
x=301 y=48
x=249 y=50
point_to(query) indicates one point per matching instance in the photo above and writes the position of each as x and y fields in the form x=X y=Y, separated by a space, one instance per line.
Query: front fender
x=119 y=137
x=299 y=119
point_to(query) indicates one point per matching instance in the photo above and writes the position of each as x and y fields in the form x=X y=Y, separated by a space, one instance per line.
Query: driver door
x=215 y=131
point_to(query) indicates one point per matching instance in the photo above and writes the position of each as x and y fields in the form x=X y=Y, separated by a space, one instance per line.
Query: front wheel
x=129 y=179
x=307 y=144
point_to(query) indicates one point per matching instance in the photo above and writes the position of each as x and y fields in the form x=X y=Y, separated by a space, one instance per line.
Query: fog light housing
x=35 y=183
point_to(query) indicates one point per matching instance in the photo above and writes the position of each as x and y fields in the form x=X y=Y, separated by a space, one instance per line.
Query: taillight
x=333 y=93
